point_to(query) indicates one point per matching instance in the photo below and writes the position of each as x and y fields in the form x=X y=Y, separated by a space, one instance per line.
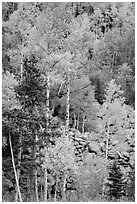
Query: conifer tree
x=30 y=93
x=116 y=185
x=130 y=190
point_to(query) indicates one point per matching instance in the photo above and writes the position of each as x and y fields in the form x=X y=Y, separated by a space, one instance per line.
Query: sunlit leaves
x=9 y=100
x=62 y=154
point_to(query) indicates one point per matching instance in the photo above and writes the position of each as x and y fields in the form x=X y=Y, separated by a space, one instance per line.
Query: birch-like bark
x=64 y=188
x=28 y=190
x=45 y=176
x=19 y=164
x=20 y=138
x=32 y=172
x=36 y=187
x=107 y=140
x=41 y=190
x=47 y=102
x=21 y=65
x=77 y=122
x=83 y=124
x=68 y=103
x=47 y=128
x=14 y=168
x=35 y=174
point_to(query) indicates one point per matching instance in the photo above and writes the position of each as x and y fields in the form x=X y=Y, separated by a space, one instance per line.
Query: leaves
x=87 y=52
x=62 y=155
x=9 y=100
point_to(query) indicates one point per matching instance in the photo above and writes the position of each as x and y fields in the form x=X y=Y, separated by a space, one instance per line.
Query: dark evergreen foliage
x=116 y=185
x=32 y=89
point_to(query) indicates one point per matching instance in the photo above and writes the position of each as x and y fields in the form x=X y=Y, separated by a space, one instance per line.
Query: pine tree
x=131 y=186
x=31 y=93
x=116 y=185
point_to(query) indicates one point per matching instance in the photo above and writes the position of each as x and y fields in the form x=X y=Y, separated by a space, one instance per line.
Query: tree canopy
x=68 y=101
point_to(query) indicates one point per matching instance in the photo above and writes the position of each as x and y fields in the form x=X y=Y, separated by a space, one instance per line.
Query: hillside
x=68 y=101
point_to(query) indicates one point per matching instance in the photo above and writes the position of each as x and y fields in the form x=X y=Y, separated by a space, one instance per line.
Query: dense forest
x=68 y=101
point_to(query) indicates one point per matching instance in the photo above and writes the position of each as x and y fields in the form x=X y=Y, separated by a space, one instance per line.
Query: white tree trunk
x=47 y=102
x=14 y=168
x=18 y=169
x=83 y=124
x=47 y=128
x=35 y=174
x=77 y=122
x=45 y=177
x=107 y=140
x=21 y=66
x=32 y=172
x=68 y=103
x=64 y=187
x=20 y=138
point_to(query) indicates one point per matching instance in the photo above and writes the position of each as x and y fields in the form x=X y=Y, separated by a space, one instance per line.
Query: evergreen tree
x=131 y=186
x=116 y=185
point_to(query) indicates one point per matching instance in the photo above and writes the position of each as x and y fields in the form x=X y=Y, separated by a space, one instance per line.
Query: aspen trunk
x=83 y=125
x=32 y=172
x=21 y=67
x=18 y=168
x=14 y=168
x=35 y=174
x=20 y=139
x=107 y=141
x=41 y=190
x=68 y=103
x=45 y=177
x=36 y=187
x=113 y=60
x=47 y=128
x=55 y=195
x=41 y=175
x=77 y=122
x=28 y=192
x=47 y=101
x=64 y=188
x=107 y=148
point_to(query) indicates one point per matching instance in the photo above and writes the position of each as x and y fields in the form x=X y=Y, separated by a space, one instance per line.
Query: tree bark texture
x=20 y=139
x=45 y=177
x=77 y=122
x=55 y=195
x=83 y=124
x=18 y=168
x=36 y=187
x=47 y=101
x=107 y=140
x=47 y=129
x=32 y=172
x=36 y=180
x=14 y=168
x=67 y=103
x=21 y=63
x=64 y=188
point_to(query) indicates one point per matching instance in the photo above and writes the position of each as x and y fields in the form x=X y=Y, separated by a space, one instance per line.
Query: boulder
x=93 y=147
